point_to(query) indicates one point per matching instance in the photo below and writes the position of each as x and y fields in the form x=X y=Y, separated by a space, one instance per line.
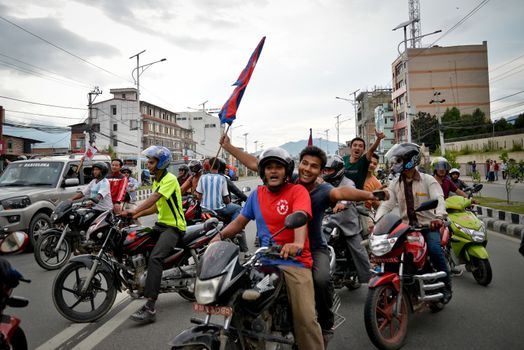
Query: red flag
x=310 y=141
x=90 y=152
x=228 y=112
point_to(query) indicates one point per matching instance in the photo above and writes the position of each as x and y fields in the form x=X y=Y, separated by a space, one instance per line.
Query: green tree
x=515 y=173
x=519 y=123
x=502 y=125
x=424 y=129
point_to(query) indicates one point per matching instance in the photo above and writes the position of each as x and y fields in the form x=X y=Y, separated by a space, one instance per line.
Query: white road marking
x=101 y=333
x=75 y=328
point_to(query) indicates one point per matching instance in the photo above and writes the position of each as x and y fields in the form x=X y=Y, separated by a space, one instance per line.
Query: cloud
x=25 y=47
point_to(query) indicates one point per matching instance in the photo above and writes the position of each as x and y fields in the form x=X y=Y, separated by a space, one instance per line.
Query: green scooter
x=468 y=237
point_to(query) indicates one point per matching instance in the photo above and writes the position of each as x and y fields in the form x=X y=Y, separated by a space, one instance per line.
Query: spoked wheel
x=89 y=306
x=45 y=254
x=481 y=270
x=386 y=328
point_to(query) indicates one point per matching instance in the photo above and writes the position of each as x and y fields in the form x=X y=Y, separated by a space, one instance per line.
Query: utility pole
x=245 y=141
x=139 y=116
x=96 y=91
x=256 y=144
x=438 y=101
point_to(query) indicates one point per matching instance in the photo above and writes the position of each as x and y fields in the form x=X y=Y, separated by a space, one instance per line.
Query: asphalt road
x=476 y=318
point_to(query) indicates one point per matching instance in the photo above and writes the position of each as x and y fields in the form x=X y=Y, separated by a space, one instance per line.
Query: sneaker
x=144 y=315
x=456 y=271
x=327 y=335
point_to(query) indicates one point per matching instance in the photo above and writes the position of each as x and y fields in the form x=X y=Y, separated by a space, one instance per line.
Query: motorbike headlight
x=380 y=245
x=15 y=203
x=206 y=290
x=54 y=217
x=476 y=235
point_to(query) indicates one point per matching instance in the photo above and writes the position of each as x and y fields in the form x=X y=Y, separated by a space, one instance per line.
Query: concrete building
x=115 y=124
x=458 y=73
x=366 y=102
x=384 y=121
x=206 y=130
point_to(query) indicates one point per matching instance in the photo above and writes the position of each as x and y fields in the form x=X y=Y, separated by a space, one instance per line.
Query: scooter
x=11 y=334
x=469 y=237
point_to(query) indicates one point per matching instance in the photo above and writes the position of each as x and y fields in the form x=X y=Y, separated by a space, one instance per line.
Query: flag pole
x=220 y=147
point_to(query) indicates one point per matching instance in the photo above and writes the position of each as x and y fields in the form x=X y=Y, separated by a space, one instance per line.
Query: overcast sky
x=315 y=50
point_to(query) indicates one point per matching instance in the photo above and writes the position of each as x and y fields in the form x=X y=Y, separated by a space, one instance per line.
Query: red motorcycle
x=404 y=280
x=192 y=210
x=85 y=289
x=12 y=337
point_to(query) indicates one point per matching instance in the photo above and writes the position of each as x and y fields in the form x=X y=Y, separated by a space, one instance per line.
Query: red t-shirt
x=448 y=186
x=118 y=185
x=269 y=210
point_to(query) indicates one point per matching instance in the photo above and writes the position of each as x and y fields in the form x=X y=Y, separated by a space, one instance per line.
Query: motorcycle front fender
x=52 y=231
x=477 y=251
x=206 y=335
x=8 y=326
x=88 y=260
x=386 y=278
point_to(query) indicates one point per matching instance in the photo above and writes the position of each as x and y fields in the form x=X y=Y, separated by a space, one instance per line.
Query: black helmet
x=183 y=167
x=403 y=156
x=336 y=163
x=195 y=166
x=277 y=154
x=125 y=169
x=221 y=166
x=103 y=168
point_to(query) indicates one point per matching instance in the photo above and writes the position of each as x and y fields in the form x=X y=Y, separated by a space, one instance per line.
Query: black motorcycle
x=71 y=221
x=343 y=269
x=251 y=298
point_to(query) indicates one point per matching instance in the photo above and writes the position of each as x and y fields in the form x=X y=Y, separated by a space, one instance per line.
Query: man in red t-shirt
x=268 y=206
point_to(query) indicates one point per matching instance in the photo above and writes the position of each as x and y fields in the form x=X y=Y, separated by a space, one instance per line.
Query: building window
x=124 y=96
x=113 y=109
x=115 y=127
x=115 y=142
x=9 y=144
x=210 y=126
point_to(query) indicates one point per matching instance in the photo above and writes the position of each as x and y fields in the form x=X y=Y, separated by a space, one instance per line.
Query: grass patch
x=501 y=204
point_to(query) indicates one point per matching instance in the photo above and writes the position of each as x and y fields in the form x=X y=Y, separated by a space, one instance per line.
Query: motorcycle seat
x=198 y=230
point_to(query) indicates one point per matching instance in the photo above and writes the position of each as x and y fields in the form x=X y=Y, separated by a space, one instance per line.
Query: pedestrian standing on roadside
x=487 y=170
x=473 y=166
x=504 y=170
x=491 y=171
x=496 y=170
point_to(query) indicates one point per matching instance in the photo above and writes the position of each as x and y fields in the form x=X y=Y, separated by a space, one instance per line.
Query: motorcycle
x=343 y=270
x=56 y=245
x=12 y=336
x=469 y=237
x=404 y=280
x=85 y=289
x=192 y=210
x=251 y=298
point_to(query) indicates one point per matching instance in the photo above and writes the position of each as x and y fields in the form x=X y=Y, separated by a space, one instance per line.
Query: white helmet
x=454 y=170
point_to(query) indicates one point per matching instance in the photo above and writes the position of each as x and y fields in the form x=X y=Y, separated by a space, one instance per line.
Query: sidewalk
x=500 y=181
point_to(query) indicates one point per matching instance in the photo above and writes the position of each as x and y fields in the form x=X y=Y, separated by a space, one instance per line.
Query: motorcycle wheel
x=385 y=330
x=45 y=255
x=481 y=269
x=86 y=307
x=18 y=340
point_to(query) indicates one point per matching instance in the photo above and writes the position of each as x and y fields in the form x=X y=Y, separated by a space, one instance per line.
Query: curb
x=505 y=222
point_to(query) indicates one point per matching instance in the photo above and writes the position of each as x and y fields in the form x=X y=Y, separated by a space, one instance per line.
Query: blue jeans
x=231 y=211
x=435 y=253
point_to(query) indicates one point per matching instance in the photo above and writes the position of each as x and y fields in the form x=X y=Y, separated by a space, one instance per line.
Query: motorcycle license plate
x=226 y=311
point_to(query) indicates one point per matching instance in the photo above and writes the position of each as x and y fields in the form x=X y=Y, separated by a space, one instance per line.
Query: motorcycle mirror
x=427 y=205
x=295 y=220
x=14 y=242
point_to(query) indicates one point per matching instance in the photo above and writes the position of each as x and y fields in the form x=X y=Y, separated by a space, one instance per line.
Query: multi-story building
x=206 y=130
x=384 y=121
x=115 y=122
x=366 y=102
x=454 y=76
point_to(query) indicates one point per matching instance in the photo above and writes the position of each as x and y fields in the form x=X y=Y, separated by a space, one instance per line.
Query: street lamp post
x=139 y=70
x=245 y=141
x=438 y=101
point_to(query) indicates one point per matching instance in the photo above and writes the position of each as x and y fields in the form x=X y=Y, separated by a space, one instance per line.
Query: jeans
x=167 y=240
x=435 y=253
x=323 y=288
x=359 y=257
x=231 y=211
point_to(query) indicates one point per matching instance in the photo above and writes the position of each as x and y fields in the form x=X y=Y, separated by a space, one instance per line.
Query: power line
x=505 y=64
x=62 y=49
x=38 y=73
x=44 y=115
x=502 y=98
x=41 y=104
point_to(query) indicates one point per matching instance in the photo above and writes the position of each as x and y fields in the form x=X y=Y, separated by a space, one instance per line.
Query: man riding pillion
x=98 y=188
x=454 y=174
x=269 y=206
x=441 y=167
x=346 y=218
x=166 y=201
x=323 y=196
x=407 y=192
